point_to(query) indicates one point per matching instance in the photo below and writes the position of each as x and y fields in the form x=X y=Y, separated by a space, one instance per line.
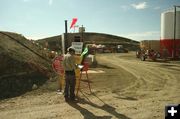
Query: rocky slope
x=23 y=64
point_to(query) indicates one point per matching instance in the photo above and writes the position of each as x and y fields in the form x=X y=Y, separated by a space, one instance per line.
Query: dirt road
x=127 y=88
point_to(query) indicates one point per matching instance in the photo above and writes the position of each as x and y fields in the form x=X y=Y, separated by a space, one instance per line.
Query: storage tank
x=170 y=32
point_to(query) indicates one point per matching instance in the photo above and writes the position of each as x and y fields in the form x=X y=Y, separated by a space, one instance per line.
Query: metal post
x=66 y=26
x=65 y=37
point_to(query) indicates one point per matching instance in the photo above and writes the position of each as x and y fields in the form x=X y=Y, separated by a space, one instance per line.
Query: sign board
x=78 y=47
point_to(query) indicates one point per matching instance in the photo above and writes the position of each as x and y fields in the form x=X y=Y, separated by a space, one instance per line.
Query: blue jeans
x=70 y=81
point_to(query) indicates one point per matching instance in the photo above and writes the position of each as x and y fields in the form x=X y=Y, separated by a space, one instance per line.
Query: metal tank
x=170 y=33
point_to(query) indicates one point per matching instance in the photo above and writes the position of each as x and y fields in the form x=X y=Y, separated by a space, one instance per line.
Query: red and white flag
x=74 y=20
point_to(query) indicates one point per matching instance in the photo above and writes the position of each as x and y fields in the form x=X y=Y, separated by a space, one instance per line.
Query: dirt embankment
x=23 y=64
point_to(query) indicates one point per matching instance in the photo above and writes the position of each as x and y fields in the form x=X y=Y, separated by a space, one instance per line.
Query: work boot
x=66 y=99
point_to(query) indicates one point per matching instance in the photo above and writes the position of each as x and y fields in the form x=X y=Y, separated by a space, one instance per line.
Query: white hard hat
x=71 y=49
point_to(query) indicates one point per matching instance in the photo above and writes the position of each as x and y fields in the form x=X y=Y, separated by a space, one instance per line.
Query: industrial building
x=150 y=44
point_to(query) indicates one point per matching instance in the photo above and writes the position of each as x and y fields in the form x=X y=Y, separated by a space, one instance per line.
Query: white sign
x=78 y=47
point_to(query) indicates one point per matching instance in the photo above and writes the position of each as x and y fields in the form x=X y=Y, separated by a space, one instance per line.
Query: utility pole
x=174 y=40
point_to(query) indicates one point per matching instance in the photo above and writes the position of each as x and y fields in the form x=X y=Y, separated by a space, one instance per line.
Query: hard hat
x=71 y=49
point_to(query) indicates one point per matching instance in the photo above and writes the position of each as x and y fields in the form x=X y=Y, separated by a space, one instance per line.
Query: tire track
x=150 y=77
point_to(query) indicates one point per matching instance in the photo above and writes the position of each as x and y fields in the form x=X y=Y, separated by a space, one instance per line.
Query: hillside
x=54 y=43
x=23 y=64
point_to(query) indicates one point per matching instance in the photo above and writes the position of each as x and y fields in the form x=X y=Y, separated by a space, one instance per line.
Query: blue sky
x=135 y=19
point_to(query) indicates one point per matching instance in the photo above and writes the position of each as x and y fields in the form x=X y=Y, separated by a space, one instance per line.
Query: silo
x=170 y=32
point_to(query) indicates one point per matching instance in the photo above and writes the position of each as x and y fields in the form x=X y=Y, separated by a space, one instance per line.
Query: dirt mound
x=55 y=42
x=23 y=64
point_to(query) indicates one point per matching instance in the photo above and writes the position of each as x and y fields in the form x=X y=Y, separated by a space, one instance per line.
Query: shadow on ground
x=86 y=113
x=104 y=66
x=89 y=115
x=127 y=98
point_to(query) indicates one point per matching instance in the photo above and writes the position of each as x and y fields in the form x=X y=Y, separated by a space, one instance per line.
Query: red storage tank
x=168 y=42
